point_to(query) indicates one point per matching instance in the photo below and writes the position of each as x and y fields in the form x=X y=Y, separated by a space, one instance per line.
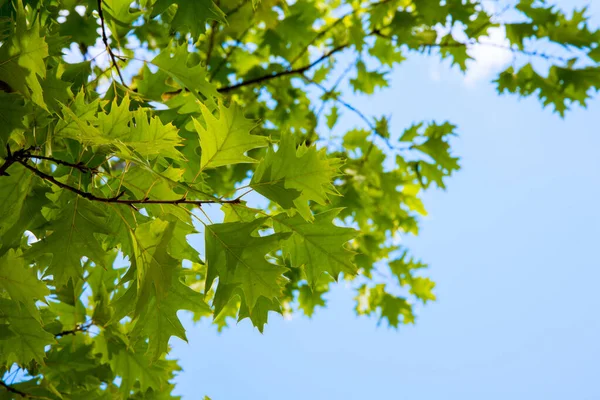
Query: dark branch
x=78 y=328
x=105 y=40
x=300 y=71
x=25 y=154
x=11 y=158
x=80 y=166
x=11 y=389
x=117 y=199
x=21 y=157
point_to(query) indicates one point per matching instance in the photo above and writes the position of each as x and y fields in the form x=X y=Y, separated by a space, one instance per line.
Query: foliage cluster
x=177 y=108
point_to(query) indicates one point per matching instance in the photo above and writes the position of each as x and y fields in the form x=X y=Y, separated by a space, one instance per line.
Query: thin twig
x=11 y=158
x=78 y=328
x=530 y=53
x=80 y=165
x=11 y=389
x=21 y=157
x=105 y=40
x=299 y=71
x=117 y=199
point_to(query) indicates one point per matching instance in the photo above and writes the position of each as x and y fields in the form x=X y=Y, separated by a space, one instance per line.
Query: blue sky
x=512 y=245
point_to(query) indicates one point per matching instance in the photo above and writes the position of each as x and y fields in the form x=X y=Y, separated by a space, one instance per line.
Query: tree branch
x=117 y=199
x=105 y=40
x=80 y=165
x=300 y=70
x=11 y=389
x=11 y=158
x=21 y=157
x=78 y=328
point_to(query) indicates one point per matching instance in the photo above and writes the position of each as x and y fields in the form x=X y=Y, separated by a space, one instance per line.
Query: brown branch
x=105 y=40
x=299 y=71
x=22 y=156
x=78 y=328
x=11 y=389
x=10 y=159
x=80 y=165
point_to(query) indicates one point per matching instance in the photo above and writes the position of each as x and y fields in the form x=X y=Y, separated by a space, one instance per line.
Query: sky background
x=512 y=245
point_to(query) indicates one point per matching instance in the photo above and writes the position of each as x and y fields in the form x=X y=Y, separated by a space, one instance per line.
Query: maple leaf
x=23 y=338
x=135 y=368
x=20 y=282
x=191 y=15
x=225 y=139
x=12 y=113
x=376 y=300
x=292 y=177
x=73 y=237
x=191 y=78
x=317 y=247
x=259 y=314
x=148 y=137
x=309 y=299
x=367 y=81
x=154 y=266
x=237 y=258
x=159 y=320
x=15 y=188
x=22 y=58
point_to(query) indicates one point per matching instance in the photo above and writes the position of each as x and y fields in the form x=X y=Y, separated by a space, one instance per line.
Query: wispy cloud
x=490 y=56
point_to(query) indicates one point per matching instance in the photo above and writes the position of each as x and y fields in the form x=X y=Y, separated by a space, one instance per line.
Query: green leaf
x=260 y=312
x=292 y=177
x=191 y=15
x=159 y=320
x=132 y=365
x=15 y=188
x=367 y=81
x=332 y=118
x=376 y=300
x=20 y=282
x=225 y=139
x=192 y=79
x=309 y=299
x=154 y=266
x=73 y=237
x=317 y=247
x=237 y=257
x=23 y=338
x=22 y=58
